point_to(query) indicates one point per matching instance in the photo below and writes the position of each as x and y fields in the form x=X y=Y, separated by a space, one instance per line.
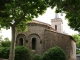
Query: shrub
x=36 y=57
x=5 y=43
x=22 y=53
x=55 y=53
x=4 y=52
x=1 y=49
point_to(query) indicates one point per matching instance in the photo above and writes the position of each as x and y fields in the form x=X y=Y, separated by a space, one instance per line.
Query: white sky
x=46 y=17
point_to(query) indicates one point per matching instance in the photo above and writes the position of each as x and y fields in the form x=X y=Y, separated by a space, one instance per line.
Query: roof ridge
x=36 y=21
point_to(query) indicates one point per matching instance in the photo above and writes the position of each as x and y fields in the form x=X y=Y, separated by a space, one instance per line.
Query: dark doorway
x=21 y=41
x=33 y=43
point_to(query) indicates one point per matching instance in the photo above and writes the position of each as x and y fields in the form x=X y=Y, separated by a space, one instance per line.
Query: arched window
x=55 y=27
x=21 y=41
x=33 y=43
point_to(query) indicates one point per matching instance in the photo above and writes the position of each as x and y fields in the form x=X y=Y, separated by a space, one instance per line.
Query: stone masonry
x=41 y=36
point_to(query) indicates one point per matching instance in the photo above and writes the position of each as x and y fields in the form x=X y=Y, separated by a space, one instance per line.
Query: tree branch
x=17 y=21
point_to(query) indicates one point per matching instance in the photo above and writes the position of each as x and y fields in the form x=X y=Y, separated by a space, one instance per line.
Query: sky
x=46 y=17
x=50 y=14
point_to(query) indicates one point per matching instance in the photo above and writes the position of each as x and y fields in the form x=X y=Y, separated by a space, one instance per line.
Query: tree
x=15 y=14
x=77 y=38
x=72 y=10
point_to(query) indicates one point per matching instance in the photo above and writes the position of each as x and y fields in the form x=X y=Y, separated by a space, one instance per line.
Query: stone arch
x=20 y=40
x=34 y=42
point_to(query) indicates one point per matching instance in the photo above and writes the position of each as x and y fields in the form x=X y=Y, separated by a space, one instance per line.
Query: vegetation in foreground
x=23 y=53
x=77 y=38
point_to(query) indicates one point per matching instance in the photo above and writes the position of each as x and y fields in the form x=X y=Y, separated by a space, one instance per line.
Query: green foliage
x=54 y=53
x=20 y=12
x=1 y=49
x=77 y=51
x=0 y=40
x=16 y=13
x=77 y=38
x=36 y=57
x=4 y=52
x=72 y=10
x=6 y=42
x=22 y=53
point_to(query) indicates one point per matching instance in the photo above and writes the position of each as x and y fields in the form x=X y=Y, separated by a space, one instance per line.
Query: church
x=41 y=36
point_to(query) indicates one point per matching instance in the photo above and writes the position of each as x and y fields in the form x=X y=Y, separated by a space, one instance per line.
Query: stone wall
x=34 y=31
x=57 y=39
x=45 y=39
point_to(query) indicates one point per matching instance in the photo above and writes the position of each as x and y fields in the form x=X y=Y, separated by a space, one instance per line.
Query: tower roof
x=56 y=15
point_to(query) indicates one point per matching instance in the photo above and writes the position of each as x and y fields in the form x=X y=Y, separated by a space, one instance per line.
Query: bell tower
x=56 y=23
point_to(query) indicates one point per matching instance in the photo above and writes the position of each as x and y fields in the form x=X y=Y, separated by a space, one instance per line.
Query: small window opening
x=33 y=43
x=21 y=41
x=55 y=27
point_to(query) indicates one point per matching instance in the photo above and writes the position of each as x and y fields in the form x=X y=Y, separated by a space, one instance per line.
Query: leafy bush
x=55 y=53
x=1 y=49
x=22 y=53
x=77 y=51
x=5 y=43
x=4 y=52
x=36 y=57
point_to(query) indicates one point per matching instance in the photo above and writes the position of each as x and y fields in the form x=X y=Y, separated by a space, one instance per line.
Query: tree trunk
x=12 y=48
